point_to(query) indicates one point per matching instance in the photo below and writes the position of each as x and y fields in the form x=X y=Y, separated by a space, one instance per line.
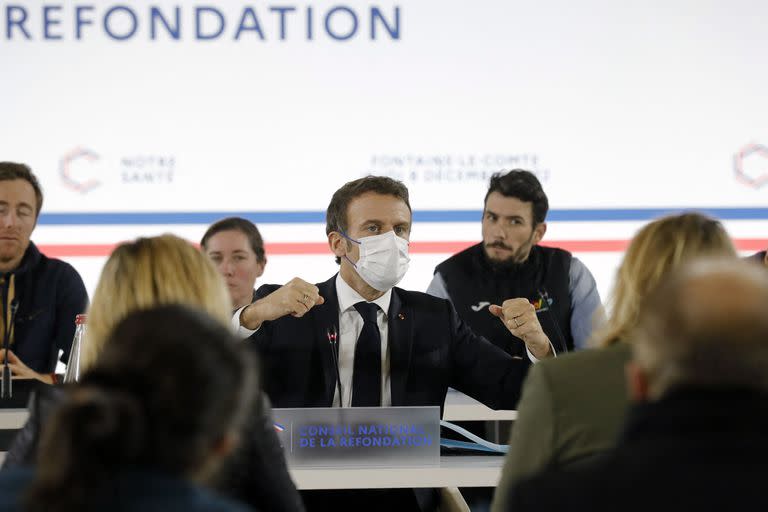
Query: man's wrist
x=542 y=349
x=47 y=378
x=250 y=316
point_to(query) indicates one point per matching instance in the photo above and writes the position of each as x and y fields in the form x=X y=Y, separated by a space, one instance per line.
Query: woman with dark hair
x=152 y=418
x=236 y=248
x=159 y=270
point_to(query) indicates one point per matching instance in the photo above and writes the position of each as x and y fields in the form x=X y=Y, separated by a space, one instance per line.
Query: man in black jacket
x=422 y=346
x=555 y=289
x=696 y=439
x=43 y=295
x=396 y=347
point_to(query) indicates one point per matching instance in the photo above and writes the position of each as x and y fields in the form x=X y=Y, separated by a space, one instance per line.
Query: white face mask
x=383 y=259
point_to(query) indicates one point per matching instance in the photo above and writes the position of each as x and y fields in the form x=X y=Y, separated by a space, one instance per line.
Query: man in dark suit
x=395 y=347
x=423 y=347
x=696 y=438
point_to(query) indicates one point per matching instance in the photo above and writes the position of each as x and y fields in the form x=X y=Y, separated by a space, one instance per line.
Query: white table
x=460 y=407
x=464 y=471
x=453 y=471
x=13 y=419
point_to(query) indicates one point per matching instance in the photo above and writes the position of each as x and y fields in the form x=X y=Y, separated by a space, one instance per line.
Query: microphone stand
x=6 y=391
x=333 y=339
x=561 y=339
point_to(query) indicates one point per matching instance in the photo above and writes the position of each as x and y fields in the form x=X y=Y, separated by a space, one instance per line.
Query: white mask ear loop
x=343 y=234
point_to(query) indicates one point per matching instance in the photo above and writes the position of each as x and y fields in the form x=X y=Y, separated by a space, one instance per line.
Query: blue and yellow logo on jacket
x=542 y=303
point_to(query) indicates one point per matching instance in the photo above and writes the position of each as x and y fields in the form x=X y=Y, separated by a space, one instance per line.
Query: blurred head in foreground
x=168 y=395
x=655 y=253
x=705 y=328
x=148 y=272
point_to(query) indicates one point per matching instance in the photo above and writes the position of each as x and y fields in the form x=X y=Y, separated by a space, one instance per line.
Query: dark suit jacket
x=50 y=295
x=693 y=450
x=431 y=349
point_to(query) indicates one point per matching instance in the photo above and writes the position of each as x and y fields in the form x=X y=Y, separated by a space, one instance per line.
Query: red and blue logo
x=750 y=165
x=75 y=169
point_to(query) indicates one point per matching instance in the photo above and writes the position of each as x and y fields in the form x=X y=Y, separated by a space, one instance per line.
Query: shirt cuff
x=535 y=359
x=240 y=331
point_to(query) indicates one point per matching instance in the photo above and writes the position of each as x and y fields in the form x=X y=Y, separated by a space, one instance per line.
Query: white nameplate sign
x=360 y=436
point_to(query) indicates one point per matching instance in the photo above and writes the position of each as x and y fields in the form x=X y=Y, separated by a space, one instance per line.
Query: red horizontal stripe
x=316 y=248
x=64 y=250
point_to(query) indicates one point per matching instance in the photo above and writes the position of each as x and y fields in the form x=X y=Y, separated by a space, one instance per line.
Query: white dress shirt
x=350 y=326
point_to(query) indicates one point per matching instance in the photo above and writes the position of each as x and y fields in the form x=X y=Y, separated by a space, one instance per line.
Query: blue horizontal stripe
x=314 y=217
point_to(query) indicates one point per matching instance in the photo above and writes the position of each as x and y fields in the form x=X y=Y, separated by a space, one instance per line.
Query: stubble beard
x=515 y=261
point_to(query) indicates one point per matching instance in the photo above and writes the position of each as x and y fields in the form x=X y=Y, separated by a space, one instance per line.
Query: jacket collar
x=324 y=317
x=348 y=296
x=31 y=258
x=400 y=338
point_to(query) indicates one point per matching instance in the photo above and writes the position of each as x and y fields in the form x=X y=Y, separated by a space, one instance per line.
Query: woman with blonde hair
x=148 y=272
x=660 y=247
x=163 y=270
x=572 y=407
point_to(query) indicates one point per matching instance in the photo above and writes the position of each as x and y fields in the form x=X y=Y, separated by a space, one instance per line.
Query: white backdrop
x=623 y=109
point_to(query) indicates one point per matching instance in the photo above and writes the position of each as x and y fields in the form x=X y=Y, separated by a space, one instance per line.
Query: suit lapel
x=400 y=339
x=325 y=316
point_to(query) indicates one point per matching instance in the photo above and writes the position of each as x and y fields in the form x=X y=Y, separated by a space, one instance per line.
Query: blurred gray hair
x=706 y=327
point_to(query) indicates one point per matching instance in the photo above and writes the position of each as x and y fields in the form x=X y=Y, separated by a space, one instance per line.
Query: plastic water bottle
x=73 y=364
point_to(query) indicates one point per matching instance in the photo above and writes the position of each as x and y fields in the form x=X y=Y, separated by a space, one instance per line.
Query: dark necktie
x=366 y=375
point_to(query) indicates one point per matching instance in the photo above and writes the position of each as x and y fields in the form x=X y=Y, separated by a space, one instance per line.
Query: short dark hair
x=15 y=171
x=242 y=225
x=336 y=214
x=523 y=185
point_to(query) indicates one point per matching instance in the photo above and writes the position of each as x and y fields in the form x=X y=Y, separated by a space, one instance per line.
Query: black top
x=50 y=294
x=692 y=450
x=473 y=283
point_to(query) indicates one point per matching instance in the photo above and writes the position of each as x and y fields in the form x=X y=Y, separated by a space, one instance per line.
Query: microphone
x=14 y=309
x=333 y=339
x=6 y=390
x=544 y=296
